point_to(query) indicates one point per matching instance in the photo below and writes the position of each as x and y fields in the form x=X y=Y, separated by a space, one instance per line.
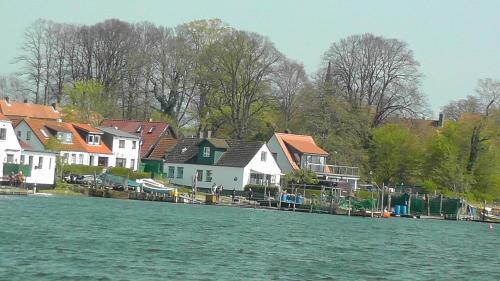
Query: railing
x=334 y=169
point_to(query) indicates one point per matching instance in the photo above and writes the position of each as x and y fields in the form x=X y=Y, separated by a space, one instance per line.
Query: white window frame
x=206 y=151
x=120 y=142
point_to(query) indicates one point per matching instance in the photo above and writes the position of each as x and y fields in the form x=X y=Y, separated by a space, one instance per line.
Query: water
x=67 y=238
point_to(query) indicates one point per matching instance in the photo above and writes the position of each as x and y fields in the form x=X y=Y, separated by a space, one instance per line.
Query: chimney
x=7 y=99
x=25 y=100
x=209 y=134
x=150 y=119
x=441 y=120
x=54 y=106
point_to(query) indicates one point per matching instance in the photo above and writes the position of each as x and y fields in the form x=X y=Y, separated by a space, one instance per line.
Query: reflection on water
x=65 y=238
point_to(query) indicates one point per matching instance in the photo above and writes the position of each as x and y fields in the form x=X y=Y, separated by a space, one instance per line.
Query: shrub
x=260 y=188
x=82 y=169
x=132 y=175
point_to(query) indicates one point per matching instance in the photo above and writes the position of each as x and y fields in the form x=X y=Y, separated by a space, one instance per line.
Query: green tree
x=88 y=102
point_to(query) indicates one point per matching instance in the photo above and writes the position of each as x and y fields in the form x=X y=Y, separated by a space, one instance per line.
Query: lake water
x=70 y=238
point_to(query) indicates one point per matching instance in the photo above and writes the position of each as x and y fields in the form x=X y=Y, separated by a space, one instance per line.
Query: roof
x=150 y=132
x=302 y=143
x=118 y=133
x=79 y=144
x=218 y=143
x=163 y=146
x=87 y=128
x=238 y=154
x=18 y=110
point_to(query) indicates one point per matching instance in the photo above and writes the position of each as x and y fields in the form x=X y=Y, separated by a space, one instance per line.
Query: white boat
x=150 y=185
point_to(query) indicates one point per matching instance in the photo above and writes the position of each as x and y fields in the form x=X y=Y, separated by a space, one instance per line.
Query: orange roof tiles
x=301 y=143
x=18 y=110
x=163 y=146
x=87 y=128
x=78 y=143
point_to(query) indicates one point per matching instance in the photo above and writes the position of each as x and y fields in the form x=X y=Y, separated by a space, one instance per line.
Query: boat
x=152 y=186
x=489 y=216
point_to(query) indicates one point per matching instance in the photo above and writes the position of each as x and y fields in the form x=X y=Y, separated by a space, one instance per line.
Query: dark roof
x=238 y=153
x=218 y=143
x=115 y=132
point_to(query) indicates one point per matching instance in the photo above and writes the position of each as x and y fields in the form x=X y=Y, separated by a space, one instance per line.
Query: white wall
x=127 y=152
x=220 y=175
x=269 y=167
x=41 y=175
x=282 y=160
x=10 y=145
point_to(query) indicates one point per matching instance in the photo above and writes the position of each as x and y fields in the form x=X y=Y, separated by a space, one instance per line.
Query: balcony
x=334 y=170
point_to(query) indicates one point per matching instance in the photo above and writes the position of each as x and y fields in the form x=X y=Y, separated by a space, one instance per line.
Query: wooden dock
x=13 y=191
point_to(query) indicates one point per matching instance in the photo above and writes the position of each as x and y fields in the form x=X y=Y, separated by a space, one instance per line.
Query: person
x=12 y=179
x=20 y=179
x=250 y=194
x=234 y=195
x=214 y=188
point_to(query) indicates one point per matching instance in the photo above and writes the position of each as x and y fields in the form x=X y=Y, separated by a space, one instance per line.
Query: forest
x=364 y=104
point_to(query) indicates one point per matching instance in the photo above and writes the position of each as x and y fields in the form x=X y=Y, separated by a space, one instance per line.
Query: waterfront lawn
x=63 y=188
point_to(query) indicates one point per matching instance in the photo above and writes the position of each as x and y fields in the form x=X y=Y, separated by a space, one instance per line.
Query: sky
x=456 y=42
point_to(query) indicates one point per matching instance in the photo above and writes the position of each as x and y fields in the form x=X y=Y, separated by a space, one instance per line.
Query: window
x=73 y=158
x=28 y=135
x=263 y=156
x=10 y=158
x=40 y=162
x=45 y=135
x=80 y=159
x=90 y=139
x=132 y=164
x=275 y=155
x=67 y=138
x=66 y=158
x=30 y=161
x=50 y=163
x=93 y=139
x=171 y=171
x=139 y=129
x=121 y=162
x=22 y=159
x=121 y=144
x=134 y=144
x=19 y=134
x=3 y=134
x=151 y=129
x=180 y=172
x=208 y=175
x=206 y=151
x=200 y=175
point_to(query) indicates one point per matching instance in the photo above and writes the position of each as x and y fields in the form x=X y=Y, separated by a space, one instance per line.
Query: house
x=16 y=111
x=295 y=152
x=231 y=163
x=37 y=166
x=79 y=143
x=125 y=147
x=156 y=138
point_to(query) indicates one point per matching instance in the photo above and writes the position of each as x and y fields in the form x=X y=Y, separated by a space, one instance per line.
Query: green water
x=65 y=238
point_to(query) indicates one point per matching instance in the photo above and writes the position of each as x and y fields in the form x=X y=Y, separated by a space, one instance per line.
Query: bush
x=82 y=169
x=260 y=188
x=132 y=175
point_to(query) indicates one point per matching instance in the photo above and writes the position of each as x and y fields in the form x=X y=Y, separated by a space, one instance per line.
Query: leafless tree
x=455 y=109
x=377 y=72
x=288 y=80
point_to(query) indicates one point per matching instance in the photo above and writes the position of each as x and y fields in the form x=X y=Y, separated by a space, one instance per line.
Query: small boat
x=152 y=186
x=490 y=216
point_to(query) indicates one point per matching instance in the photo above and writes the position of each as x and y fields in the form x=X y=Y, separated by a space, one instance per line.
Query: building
x=37 y=166
x=295 y=152
x=231 y=163
x=79 y=143
x=156 y=138
x=125 y=147
x=16 y=111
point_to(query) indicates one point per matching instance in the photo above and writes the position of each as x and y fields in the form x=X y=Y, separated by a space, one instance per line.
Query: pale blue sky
x=456 y=42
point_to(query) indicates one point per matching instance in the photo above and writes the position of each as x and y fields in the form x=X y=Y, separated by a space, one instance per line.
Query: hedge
x=260 y=188
x=82 y=169
x=132 y=175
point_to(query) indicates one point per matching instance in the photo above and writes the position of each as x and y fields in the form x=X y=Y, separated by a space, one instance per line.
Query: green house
x=210 y=151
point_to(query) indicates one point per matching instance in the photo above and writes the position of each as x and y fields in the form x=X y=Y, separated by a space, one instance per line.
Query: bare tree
x=455 y=109
x=288 y=80
x=377 y=72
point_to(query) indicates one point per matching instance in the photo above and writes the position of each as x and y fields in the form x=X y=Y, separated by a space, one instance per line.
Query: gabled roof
x=150 y=132
x=18 y=110
x=238 y=154
x=163 y=146
x=301 y=143
x=78 y=144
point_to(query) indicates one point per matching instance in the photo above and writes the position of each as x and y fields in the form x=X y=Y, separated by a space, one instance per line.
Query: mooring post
x=389 y=199
x=484 y=211
x=382 y=198
x=441 y=204
x=331 y=201
x=372 y=202
x=428 y=205
x=409 y=203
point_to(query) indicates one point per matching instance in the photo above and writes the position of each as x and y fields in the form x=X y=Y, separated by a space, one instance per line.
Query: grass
x=63 y=188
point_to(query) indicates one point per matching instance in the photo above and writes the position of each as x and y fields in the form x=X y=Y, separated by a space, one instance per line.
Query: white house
x=43 y=167
x=125 y=147
x=231 y=163
x=10 y=149
x=296 y=152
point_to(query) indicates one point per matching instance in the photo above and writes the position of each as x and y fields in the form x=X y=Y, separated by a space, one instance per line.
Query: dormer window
x=139 y=129
x=206 y=151
x=151 y=129
x=64 y=137
x=45 y=135
x=93 y=139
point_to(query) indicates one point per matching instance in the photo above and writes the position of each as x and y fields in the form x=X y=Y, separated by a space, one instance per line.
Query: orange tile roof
x=78 y=144
x=18 y=110
x=87 y=128
x=301 y=143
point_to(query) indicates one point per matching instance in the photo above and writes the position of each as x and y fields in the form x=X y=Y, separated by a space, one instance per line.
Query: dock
x=13 y=191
